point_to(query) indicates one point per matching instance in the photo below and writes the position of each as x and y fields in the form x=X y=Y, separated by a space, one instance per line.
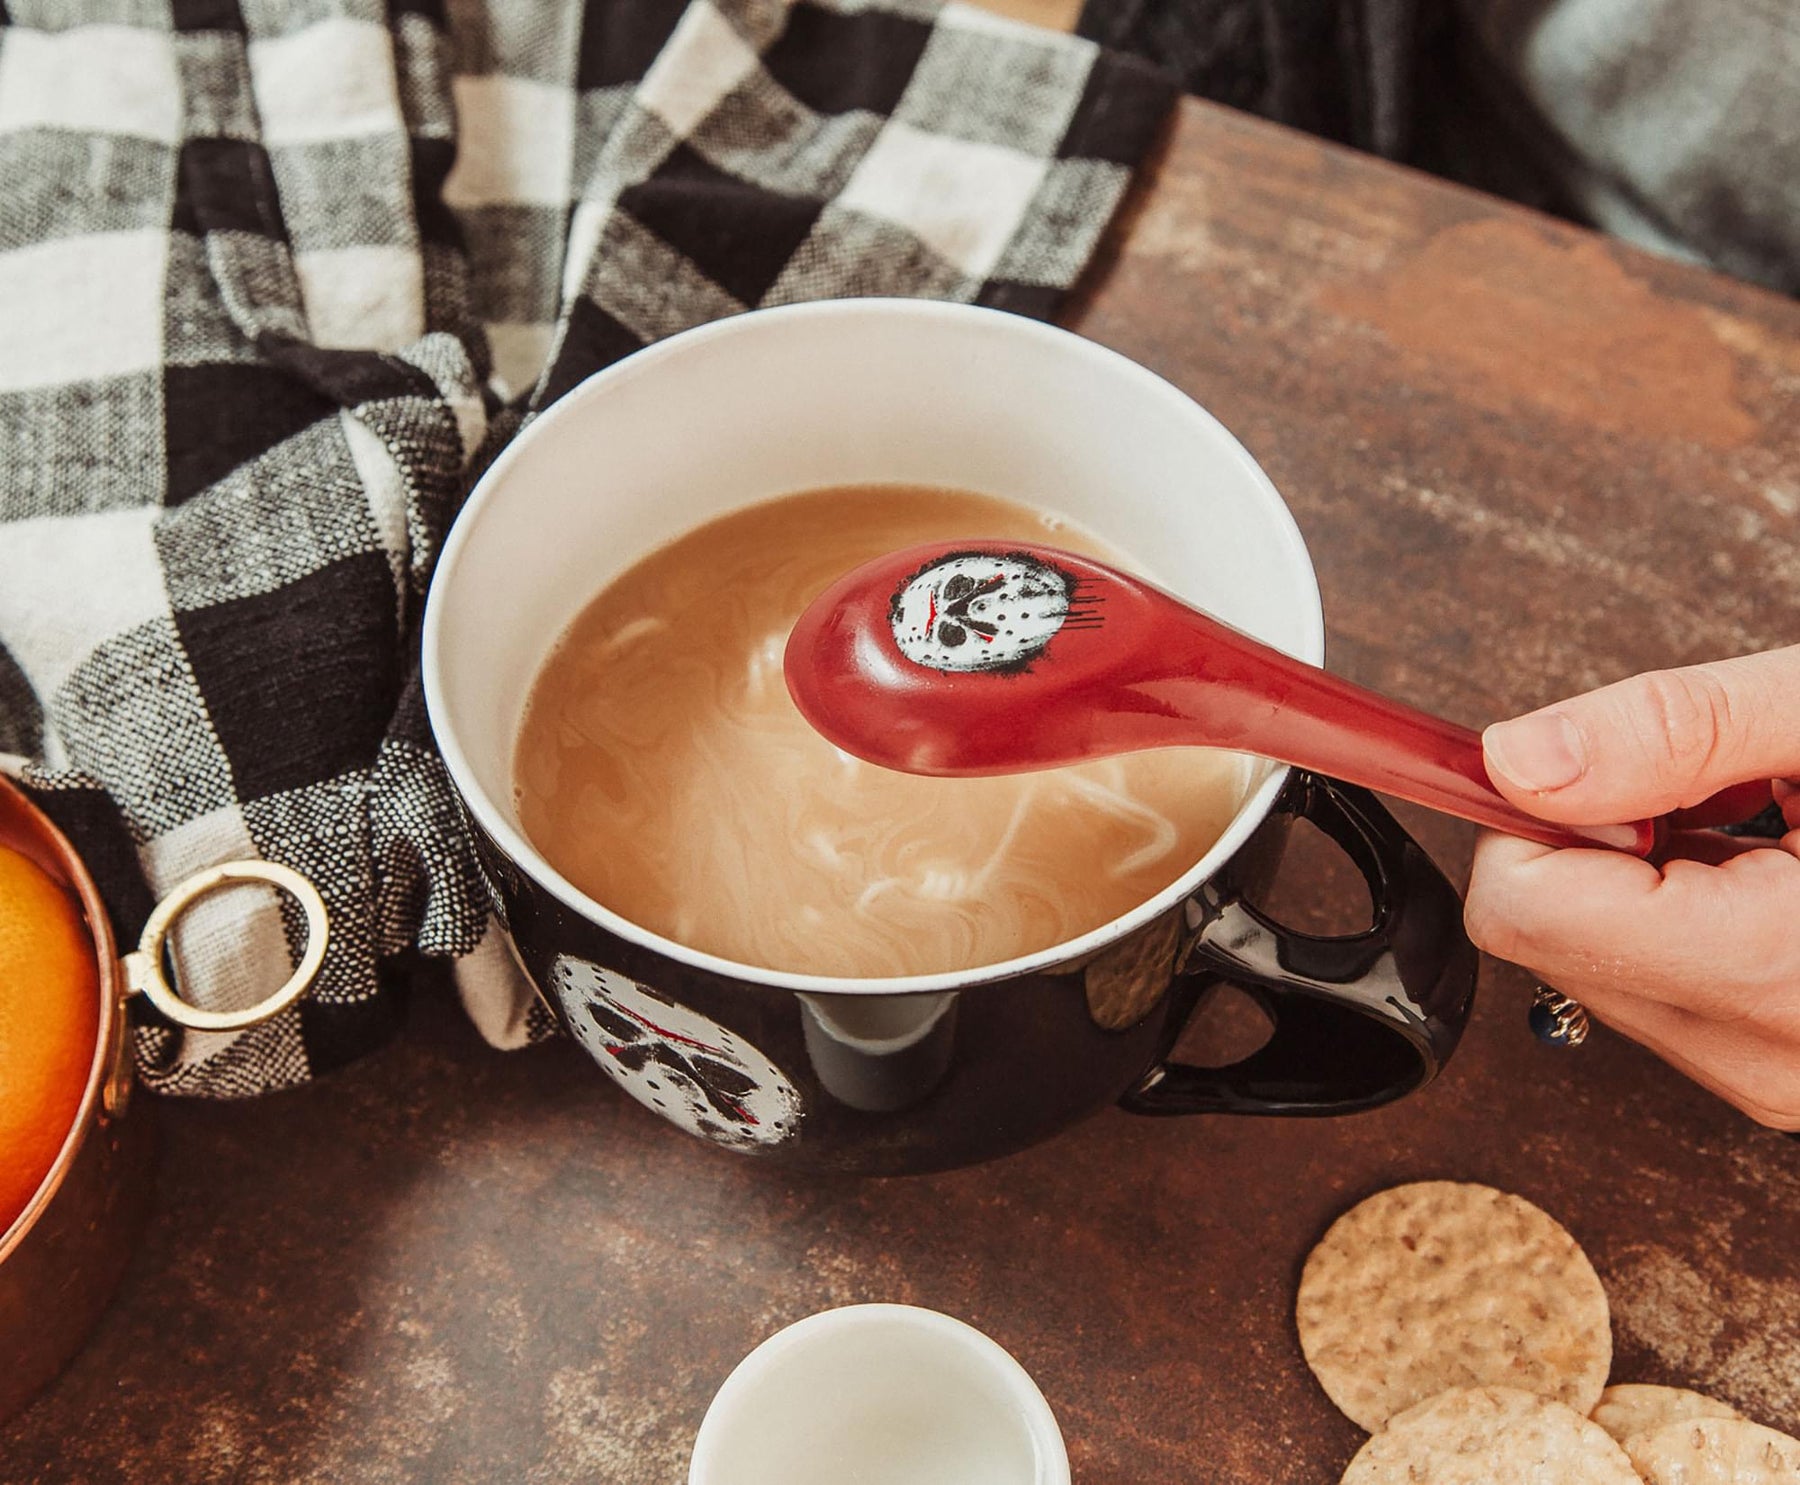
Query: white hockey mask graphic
x=975 y=611
x=692 y=1071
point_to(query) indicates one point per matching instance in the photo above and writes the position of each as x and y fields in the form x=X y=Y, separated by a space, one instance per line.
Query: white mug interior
x=836 y=393
x=882 y=1393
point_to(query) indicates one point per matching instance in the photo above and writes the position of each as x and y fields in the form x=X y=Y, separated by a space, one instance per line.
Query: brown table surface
x=1526 y=460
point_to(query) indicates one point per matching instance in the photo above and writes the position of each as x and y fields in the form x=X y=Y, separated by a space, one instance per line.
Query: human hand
x=1698 y=958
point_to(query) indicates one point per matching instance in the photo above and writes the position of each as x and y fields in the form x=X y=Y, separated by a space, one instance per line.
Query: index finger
x=1689 y=933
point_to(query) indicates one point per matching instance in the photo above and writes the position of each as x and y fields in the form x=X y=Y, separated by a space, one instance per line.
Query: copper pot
x=63 y=1256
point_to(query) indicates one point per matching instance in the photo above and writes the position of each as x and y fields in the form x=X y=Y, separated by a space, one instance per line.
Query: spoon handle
x=1306 y=716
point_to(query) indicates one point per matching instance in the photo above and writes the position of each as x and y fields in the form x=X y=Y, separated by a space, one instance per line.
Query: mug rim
x=1034 y=1408
x=493 y=820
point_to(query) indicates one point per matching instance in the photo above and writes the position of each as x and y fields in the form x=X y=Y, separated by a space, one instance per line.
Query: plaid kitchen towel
x=276 y=276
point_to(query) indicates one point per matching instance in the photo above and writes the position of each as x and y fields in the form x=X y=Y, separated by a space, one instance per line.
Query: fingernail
x=1623 y=837
x=1787 y=796
x=1540 y=752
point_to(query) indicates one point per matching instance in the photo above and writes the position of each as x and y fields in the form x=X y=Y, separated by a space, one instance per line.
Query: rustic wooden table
x=1527 y=460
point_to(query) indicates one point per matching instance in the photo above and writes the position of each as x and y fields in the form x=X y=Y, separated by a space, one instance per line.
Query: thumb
x=1652 y=743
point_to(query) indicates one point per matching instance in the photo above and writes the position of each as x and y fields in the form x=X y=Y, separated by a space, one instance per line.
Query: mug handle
x=1360 y=1019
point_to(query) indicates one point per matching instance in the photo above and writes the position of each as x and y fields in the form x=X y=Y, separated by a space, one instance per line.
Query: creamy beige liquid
x=663 y=770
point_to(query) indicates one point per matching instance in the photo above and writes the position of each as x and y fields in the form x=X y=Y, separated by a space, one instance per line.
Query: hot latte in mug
x=663 y=770
x=840 y=969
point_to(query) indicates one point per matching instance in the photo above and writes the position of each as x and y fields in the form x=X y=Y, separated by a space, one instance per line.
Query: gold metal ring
x=144 y=967
x=1557 y=1020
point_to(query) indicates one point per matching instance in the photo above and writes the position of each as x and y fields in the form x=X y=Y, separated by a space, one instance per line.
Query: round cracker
x=1715 y=1451
x=1444 y=1284
x=1490 y=1436
x=1638 y=1407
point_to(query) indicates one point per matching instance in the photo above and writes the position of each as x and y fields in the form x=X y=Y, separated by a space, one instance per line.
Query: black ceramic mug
x=923 y=1072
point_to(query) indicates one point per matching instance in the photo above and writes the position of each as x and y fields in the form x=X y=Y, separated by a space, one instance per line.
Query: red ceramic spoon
x=990 y=657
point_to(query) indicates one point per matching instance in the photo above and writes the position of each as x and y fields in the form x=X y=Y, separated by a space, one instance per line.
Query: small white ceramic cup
x=879 y=1395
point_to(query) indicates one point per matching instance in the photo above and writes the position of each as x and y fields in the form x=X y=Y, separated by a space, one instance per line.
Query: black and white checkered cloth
x=276 y=276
